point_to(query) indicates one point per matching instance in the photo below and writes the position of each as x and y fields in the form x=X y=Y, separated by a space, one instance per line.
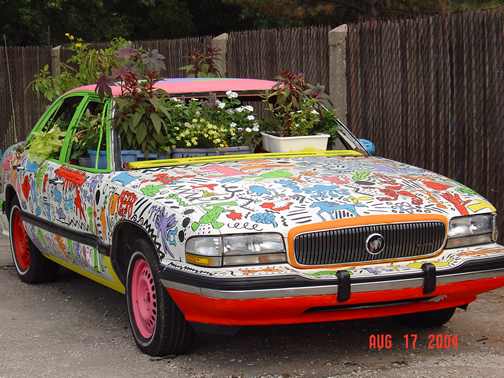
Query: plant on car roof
x=298 y=108
x=204 y=64
x=213 y=122
x=140 y=114
x=83 y=67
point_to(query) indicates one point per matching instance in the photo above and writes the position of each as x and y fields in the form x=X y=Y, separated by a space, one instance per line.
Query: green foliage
x=89 y=136
x=42 y=22
x=46 y=144
x=313 y=12
x=140 y=116
x=90 y=62
x=204 y=64
x=212 y=123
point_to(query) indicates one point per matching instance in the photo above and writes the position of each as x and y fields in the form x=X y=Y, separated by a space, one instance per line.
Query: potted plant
x=211 y=126
x=90 y=141
x=46 y=144
x=140 y=115
x=204 y=64
x=302 y=115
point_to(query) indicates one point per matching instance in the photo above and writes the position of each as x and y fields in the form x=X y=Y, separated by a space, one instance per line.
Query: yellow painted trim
x=356 y=222
x=117 y=285
x=219 y=158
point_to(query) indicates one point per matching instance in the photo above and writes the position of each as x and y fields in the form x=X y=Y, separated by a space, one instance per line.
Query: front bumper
x=289 y=299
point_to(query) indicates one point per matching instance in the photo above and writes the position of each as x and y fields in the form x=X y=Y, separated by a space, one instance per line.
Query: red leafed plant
x=139 y=113
x=204 y=64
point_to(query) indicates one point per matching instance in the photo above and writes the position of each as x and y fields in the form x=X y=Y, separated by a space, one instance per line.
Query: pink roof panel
x=190 y=86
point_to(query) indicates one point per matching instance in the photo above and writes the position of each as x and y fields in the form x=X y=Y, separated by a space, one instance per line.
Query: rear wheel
x=158 y=325
x=31 y=266
x=434 y=318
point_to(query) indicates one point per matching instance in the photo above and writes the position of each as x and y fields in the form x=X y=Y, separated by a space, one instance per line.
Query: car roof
x=200 y=87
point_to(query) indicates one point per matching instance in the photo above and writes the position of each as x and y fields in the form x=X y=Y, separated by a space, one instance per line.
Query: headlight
x=233 y=250
x=471 y=230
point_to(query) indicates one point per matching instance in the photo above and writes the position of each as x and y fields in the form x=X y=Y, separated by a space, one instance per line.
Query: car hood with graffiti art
x=276 y=195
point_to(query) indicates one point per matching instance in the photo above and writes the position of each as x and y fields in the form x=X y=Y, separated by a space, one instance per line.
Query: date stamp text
x=439 y=341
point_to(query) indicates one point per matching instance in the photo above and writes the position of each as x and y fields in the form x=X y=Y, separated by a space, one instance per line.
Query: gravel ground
x=74 y=327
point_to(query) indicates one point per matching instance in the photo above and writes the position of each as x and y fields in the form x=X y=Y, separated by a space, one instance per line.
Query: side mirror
x=369 y=146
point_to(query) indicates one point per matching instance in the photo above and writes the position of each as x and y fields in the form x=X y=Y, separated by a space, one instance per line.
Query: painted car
x=215 y=243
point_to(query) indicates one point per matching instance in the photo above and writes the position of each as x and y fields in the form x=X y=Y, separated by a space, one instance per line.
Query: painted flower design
x=265 y=218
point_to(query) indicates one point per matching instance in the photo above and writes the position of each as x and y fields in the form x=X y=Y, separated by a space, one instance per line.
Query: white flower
x=250 y=117
x=249 y=108
x=248 y=129
x=256 y=127
x=240 y=129
x=187 y=124
x=231 y=94
x=240 y=109
x=232 y=124
x=296 y=125
x=314 y=112
x=220 y=104
x=198 y=112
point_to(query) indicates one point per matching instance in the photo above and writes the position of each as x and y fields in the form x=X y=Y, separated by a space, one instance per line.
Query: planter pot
x=85 y=161
x=272 y=143
x=129 y=156
x=102 y=159
x=195 y=152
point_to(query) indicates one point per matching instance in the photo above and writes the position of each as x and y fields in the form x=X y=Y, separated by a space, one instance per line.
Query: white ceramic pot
x=307 y=143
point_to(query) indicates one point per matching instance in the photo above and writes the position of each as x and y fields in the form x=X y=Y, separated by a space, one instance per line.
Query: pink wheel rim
x=20 y=242
x=143 y=298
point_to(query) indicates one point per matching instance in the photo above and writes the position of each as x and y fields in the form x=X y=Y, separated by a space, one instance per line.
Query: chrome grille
x=348 y=245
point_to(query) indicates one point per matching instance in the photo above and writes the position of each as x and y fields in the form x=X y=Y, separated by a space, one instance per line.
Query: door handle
x=19 y=167
x=55 y=181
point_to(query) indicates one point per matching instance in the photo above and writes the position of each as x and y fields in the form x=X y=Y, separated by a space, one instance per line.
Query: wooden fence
x=430 y=92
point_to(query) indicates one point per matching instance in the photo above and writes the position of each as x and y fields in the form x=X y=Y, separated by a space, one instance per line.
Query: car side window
x=88 y=134
x=64 y=115
x=86 y=142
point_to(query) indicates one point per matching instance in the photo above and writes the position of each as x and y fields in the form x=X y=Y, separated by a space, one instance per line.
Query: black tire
x=158 y=325
x=31 y=265
x=434 y=318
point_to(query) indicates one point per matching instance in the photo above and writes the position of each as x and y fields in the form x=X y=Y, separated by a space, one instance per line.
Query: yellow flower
x=78 y=45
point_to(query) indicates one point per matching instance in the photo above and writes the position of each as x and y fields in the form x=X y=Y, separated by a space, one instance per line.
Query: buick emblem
x=375 y=243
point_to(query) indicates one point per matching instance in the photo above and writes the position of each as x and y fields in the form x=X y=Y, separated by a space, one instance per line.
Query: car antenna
x=10 y=87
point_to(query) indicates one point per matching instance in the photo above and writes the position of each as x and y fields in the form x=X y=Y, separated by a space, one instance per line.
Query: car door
x=64 y=220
